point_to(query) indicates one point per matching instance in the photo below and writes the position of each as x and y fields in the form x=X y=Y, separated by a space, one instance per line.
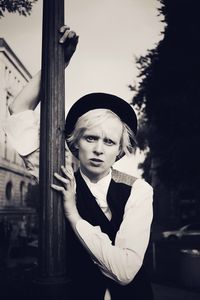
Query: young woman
x=108 y=213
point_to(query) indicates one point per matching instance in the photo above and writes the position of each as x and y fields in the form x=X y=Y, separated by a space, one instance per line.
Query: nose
x=98 y=148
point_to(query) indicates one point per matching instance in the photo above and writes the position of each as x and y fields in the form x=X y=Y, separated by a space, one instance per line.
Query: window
x=9 y=191
x=22 y=192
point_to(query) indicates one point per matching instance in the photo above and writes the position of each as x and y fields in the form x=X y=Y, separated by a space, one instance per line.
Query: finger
x=71 y=34
x=57 y=188
x=63 y=28
x=61 y=178
x=67 y=34
x=64 y=36
x=68 y=172
x=68 y=169
x=68 y=158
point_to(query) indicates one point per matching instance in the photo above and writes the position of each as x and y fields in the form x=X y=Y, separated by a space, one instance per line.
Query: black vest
x=87 y=280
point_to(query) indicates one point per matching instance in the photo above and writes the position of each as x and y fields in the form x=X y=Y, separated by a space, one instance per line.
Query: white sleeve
x=22 y=130
x=122 y=261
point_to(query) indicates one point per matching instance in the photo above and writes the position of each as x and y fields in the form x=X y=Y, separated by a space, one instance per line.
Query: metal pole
x=154 y=256
x=52 y=241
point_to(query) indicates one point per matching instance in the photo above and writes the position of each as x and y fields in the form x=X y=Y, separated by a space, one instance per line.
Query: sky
x=111 y=34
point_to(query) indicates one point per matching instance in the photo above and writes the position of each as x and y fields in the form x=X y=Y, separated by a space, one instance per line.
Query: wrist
x=73 y=218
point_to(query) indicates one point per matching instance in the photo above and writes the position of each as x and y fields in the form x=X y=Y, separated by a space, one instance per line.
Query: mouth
x=96 y=161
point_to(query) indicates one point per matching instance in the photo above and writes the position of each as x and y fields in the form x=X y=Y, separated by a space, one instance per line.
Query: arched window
x=22 y=192
x=9 y=191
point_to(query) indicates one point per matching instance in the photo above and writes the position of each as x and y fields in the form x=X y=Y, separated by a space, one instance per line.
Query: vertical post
x=154 y=256
x=52 y=254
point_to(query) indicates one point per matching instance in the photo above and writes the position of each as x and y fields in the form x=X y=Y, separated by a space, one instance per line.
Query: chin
x=96 y=171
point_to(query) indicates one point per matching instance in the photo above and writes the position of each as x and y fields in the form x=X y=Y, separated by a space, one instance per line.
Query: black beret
x=101 y=100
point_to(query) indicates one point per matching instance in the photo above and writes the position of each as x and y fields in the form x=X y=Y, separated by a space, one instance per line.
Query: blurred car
x=187 y=232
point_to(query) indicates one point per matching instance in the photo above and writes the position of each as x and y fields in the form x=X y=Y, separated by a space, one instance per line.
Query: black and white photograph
x=99 y=150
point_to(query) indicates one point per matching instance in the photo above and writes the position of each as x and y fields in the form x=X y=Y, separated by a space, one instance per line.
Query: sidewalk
x=162 y=292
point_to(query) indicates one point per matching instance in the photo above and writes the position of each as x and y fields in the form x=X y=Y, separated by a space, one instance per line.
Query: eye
x=90 y=138
x=109 y=142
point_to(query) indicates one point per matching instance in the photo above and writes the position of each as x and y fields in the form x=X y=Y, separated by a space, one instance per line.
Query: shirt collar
x=98 y=189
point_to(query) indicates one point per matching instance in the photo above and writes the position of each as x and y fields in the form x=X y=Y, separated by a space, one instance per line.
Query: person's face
x=98 y=148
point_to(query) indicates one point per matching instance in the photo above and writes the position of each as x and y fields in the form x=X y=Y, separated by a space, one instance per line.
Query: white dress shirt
x=120 y=261
x=99 y=191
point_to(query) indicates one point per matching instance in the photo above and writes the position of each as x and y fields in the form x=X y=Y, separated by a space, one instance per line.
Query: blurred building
x=18 y=191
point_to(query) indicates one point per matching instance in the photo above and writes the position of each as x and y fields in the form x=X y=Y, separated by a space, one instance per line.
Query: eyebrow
x=92 y=135
x=97 y=136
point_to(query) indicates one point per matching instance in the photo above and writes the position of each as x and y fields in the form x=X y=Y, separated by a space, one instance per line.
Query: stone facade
x=16 y=184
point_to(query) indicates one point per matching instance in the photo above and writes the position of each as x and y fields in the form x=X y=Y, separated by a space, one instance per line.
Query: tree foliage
x=169 y=97
x=23 y=7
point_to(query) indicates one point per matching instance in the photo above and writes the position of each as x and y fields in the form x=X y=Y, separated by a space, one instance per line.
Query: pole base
x=52 y=288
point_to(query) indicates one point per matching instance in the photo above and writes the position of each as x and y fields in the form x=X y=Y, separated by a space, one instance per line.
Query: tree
x=23 y=7
x=169 y=99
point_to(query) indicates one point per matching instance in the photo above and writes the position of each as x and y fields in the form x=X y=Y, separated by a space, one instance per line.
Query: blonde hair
x=94 y=118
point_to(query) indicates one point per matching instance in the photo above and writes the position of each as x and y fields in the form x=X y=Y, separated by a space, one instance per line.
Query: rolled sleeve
x=23 y=131
x=134 y=232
